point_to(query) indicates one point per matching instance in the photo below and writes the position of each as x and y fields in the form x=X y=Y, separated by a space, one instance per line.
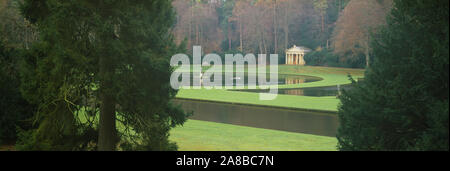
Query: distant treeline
x=338 y=30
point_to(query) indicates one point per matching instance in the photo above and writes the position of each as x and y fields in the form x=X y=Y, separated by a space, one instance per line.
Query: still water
x=299 y=121
x=282 y=80
x=313 y=91
x=235 y=80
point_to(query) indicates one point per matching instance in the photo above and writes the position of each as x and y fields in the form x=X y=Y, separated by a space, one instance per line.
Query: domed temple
x=295 y=55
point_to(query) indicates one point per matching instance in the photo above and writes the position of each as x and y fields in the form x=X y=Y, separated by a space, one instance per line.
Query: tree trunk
x=200 y=33
x=196 y=25
x=229 y=35
x=196 y=33
x=323 y=24
x=328 y=44
x=264 y=43
x=107 y=138
x=275 y=30
x=260 y=42
x=240 y=34
x=190 y=27
x=286 y=28
x=367 y=52
x=260 y=47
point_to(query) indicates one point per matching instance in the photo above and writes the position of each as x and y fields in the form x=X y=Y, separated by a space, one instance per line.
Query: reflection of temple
x=294 y=80
x=297 y=92
x=295 y=55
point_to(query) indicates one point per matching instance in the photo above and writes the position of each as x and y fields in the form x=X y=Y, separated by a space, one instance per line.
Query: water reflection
x=309 y=122
x=313 y=91
x=235 y=80
x=294 y=80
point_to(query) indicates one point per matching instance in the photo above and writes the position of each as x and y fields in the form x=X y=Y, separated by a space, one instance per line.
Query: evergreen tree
x=14 y=110
x=100 y=63
x=15 y=35
x=403 y=102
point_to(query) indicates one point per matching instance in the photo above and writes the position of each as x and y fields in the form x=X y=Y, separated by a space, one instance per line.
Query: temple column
x=302 y=59
x=293 y=56
x=290 y=56
x=296 y=59
x=293 y=59
x=290 y=59
x=286 y=59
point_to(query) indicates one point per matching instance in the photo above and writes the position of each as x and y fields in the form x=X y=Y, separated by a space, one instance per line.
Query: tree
x=16 y=33
x=14 y=109
x=403 y=102
x=98 y=63
x=198 y=21
x=354 y=27
x=225 y=14
x=275 y=25
x=321 y=7
x=239 y=16
x=252 y=26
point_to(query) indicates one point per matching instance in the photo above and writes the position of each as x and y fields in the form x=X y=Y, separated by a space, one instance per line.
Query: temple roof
x=298 y=49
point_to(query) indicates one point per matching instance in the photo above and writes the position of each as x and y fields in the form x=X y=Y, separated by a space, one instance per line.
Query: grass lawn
x=330 y=76
x=209 y=136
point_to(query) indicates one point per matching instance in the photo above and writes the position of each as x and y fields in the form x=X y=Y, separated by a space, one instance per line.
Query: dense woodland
x=338 y=30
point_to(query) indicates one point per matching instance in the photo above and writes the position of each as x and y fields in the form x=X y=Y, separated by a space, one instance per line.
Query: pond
x=313 y=91
x=299 y=121
x=282 y=80
x=235 y=80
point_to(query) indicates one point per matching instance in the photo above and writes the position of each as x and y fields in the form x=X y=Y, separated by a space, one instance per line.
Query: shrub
x=328 y=58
